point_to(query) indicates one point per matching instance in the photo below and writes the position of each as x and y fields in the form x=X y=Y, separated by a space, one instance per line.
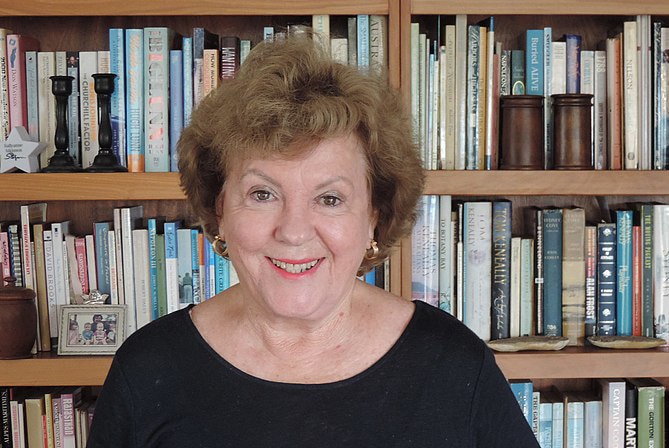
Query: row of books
x=161 y=76
x=564 y=276
x=458 y=78
x=36 y=417
x=615 y=413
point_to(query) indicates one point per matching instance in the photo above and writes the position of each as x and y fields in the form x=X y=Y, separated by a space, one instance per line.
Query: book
x=5 y=126
x=44 y=319
x=32 y=94
x=229 y=57
x=378 y=38
x=614 y=101
x=161 y=277
x=210 y=70
x=592 y=420
x=613 y=411
x=141 y=277
x=176 y=116
x=477 y=265
x=552 y=262
x=624 y=261
x=545 y=423
x=574 y=416
x=527 y=287
x=573 y=46
x=631 y=413
x=185 y=267
x=522 y=390
x=187 y=77
x=35 y=414
x=158 y=41
x=5 y=417
x=17 y=46
x=117 y=66
x=630 y=93
x=134 y=100
x=534 y=62
x=645 y=213
x=73 y=113
x=363 y=40
x=590 y=323
x=202 y=39
x=660 y=269
x=573 y=275
x=606 y=279
x=101 y=233
x=651 y=412
x=30 y=214
x=514 y=290
x=46 y=111
x=171 y=265
x=518 y=72
x=425 y=251
x=130 y=218
x=599 y=112
x=501 y=268
x=446 y=271
x=88 y=112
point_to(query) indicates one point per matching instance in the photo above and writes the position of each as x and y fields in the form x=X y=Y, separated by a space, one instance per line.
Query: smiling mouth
x=294 y=268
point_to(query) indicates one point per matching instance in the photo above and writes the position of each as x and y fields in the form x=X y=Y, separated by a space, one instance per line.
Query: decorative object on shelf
x=94 y=298
x=91 y=329
x=572 y=131
x=522 y=142
x=61 y=161
x=18 y=321
x=105 y=161
x=529 y=343
x=20 y=152
x=626 y=342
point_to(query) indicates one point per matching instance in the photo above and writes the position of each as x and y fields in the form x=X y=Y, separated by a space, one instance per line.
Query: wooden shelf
x=548 y=183
x=51 y=370
x=520 y=7
x=189 y=7
x=585 y=362
x=90 y=186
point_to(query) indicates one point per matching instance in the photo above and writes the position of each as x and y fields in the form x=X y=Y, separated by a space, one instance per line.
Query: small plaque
x=19 y=152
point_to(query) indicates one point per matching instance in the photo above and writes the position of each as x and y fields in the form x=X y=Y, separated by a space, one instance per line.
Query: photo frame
x=91 y=329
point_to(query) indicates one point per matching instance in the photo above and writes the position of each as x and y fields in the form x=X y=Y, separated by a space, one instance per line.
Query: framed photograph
x=91 y=329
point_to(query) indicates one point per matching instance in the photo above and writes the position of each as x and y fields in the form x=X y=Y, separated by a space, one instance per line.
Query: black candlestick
x=105 y=161
x=61 y=161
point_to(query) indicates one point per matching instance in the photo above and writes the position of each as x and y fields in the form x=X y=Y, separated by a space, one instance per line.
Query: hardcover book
x=606 y=279
x=552 y=255
x=425 y=251
x=651 y=412
x=229 y=52
x=4 y=86
x=573 y=47
x=17 y=45
x=501 y=268
x=117 y=116
x=134 y=77
x=534 y=62
x=202 y=39
x=624 y=262
x=46 y=67
x=613 y=415
x=74 y=140
x=661 y=270
x=573 y=275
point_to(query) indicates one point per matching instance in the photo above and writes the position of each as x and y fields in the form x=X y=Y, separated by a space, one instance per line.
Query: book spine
x=134 y=74
x=614 y=101
x=534 y=62
x=113 y=268
x=187 y=77
x=546 y=425
x=514 y=290
x=636 y=280
x=363 y=40
x=378 y=38
x=425 y=251
x=559 y=68
x=552 y=255
x=41 y=288
x=152 y=228
x=140 y=255
x=5 y=418
x=573 y=275
x=156 y=98
x=101 y=234
x=661 y=270
x=631 y=415
x=547 y=89
x=50 y=277
x=646 y=217
x=630 y=96
x=88 y=120
x=445 y=255
x=558 y=425
x=477 y=234
x=195 y=265
x=590 y=281
x=5 y=257
x=624 y=261
x=4 y=87
x=15 y=247
x=185 y=267
x=73 y=112
x=202 y=39
x=128 y=217
x=501 y=268
x=473 y=74
x=229 y=54
x=161 y=277
x=518 y=72
x=651 y=402
x=661 y=74
x=573 y=63
x=505 y=73
x=32 y=94
x=599 y=126
x=117 y=115
x=81 y=265
x=606 y=279
x=46 y=110
x=575 y=414
x=176 y=96
x=523 y=390
x=460 y=91
x=17 y=45
x=171 y=266
x=526 y=286
x=539 y=270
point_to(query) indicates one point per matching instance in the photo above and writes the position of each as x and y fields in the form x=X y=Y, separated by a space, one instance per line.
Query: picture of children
x=100 y=334
x=87 y=334
x=91 y=329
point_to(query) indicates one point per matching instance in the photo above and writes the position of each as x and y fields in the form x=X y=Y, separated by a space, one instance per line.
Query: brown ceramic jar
x=18 y=321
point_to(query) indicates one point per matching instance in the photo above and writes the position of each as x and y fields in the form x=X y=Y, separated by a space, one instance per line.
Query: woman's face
x=297 y=229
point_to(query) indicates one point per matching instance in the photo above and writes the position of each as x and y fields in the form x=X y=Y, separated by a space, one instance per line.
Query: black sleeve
x=497 y=418
x=114 y=420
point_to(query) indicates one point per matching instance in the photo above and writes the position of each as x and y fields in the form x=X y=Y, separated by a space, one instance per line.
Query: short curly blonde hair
x=287 y=96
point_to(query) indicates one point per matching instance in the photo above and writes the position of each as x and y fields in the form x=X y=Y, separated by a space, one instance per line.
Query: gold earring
x=219 y=246
x=373 y=251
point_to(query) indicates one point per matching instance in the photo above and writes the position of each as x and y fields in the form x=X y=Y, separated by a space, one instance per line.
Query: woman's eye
x=262 y=195
x=330 y=201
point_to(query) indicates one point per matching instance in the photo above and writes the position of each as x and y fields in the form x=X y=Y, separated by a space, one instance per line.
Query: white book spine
x=90 y=262
x=661 y=270
x=600 y=112
x=445 y=255
x=140 y=252
x=113 y=268
x=630 y=94
x=51 y=283
x=514 y=299
x=46 y=67
x=477 y=259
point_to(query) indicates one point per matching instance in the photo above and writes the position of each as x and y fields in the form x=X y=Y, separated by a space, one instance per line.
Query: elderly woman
x=304 y=174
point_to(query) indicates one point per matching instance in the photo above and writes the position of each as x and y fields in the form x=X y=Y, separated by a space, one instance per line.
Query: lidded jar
x=18 y=321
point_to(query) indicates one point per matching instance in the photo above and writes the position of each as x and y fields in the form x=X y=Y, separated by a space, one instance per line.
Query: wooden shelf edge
x=52 y=370
x=548 y=183
x=190 y=7
x=519 y=7
x=579 y=362
x=90 y=186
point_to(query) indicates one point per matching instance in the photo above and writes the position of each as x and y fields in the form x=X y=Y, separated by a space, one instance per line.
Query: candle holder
x=61 y=161
x=105 y=161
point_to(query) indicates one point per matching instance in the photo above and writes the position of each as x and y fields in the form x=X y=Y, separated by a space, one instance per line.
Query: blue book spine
x=546 y=425
x=171 y=265
x=606 y=279
x=534 y=62
x=573 y=63
x=552 y=223
x=624 y=272
x=101 y=234
x=134 y=76
x=195 y=259
x=187 y=48
x=117 y=115
x=575 y=424
x=501 y=268
x=176 y=105
x=558 y=425
x=522 y=390
x=222 y=273
x=151 y=226
x=363 y=40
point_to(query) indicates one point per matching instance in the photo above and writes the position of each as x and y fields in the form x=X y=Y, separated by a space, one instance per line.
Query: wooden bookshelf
x=48 y=369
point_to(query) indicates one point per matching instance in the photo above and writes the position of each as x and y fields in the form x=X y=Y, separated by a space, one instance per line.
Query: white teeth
x=294 y=268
